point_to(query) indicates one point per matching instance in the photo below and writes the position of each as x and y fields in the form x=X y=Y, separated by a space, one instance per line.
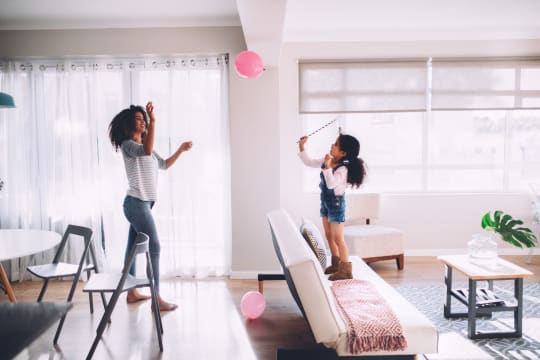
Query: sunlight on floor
x=449 y=342
x=531 y=327
x=208 y=320
x=207 y=325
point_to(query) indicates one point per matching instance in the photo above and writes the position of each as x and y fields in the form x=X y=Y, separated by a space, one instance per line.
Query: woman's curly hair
x=123 y=125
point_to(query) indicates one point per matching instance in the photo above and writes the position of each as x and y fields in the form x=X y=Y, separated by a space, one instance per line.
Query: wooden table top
x=492 y=269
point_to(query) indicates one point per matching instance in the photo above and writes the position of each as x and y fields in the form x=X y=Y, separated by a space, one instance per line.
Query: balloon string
x=322 y=127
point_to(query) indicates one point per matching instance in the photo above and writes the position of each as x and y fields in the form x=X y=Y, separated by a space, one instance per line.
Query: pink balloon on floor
x=249 y=64
x=252 y=304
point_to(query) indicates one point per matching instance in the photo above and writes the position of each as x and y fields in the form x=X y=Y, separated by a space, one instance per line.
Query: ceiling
x=267 y=24
x=98 y=14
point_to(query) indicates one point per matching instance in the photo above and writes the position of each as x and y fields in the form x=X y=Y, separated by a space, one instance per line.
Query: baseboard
x=438 y=252
x=238 y=275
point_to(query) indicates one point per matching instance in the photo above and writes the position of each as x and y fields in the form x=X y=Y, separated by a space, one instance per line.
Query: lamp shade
x=6 y=101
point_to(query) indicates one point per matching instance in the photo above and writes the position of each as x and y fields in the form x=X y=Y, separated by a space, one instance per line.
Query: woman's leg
x=139 y=214
x=133 y=295
x=132 y=235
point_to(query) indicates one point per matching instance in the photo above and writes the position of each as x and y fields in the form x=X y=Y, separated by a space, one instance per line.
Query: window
x=436 y=126
x=59 y=167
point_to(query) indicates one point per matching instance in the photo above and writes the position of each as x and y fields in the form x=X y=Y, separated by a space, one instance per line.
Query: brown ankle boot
x=334 y=267
x=344 y=272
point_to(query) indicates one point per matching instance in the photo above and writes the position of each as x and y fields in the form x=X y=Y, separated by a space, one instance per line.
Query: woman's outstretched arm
x=185 y=146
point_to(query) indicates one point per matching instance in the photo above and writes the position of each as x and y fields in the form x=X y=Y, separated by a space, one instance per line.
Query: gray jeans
x=139 y=214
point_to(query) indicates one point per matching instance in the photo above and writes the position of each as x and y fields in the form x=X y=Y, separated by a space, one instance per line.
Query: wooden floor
x=208 y=324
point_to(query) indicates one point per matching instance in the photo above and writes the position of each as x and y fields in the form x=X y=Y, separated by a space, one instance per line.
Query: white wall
x=255 y=172
x=434 y=224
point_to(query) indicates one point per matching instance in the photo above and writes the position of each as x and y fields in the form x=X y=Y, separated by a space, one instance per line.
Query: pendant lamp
x=6 y=101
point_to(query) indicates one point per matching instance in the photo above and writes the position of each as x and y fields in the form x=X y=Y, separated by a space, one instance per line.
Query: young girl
x=132 y=131
x=340 y=168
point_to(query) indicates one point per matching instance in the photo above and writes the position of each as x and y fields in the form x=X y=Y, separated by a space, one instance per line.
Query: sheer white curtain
x=59 y=167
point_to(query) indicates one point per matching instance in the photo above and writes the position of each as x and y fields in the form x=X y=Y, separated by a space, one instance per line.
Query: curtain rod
x=132 y=63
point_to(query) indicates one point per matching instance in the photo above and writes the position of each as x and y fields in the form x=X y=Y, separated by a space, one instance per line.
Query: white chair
x=118 y=283
x=58 y=269
x=371 y=242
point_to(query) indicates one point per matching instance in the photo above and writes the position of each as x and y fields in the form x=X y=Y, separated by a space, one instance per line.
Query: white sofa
x=311 y=290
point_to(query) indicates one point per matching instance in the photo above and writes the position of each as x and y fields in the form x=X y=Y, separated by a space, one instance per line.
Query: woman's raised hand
x=150 y=110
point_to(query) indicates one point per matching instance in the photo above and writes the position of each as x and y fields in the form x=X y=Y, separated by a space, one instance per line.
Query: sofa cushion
x=315 y=240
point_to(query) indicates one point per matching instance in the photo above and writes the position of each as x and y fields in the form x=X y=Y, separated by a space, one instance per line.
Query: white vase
x=482 y=247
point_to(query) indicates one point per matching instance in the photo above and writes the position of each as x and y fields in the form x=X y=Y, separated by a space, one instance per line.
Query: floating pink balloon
x=249 y=64
x=252 y=304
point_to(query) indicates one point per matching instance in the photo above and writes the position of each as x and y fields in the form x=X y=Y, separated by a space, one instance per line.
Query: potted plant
x=509 y=229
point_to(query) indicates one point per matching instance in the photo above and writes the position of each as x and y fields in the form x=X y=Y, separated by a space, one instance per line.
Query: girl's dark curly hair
x=356 y=167
x=123 y=124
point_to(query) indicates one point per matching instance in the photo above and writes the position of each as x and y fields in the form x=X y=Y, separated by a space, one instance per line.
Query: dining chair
x=58 y=269
x=117 y=283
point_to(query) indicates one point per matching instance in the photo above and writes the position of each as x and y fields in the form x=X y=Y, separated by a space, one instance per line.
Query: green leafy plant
x=509 y=229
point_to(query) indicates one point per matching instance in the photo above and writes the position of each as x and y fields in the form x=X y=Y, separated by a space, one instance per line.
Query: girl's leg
x=337 y=234
x=345 y=266
x=334 y=249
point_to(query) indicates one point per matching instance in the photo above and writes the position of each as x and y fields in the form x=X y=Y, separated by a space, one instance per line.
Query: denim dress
x=332 y=205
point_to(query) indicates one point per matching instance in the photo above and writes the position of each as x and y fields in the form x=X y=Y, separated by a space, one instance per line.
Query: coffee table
x=480 y=301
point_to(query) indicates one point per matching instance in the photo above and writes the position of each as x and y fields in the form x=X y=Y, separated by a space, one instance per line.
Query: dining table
x=16 y=243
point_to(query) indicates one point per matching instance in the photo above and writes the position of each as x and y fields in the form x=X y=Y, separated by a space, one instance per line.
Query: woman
x=132 y=130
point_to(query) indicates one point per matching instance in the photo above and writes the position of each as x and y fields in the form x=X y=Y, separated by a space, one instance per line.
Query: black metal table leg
x=472 y=308
x=518 y=312
x=448 y=283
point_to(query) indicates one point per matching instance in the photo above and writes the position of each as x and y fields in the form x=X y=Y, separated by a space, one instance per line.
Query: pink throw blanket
x=371 y=323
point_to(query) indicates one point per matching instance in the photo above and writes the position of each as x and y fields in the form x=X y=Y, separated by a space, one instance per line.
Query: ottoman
x=375 y=243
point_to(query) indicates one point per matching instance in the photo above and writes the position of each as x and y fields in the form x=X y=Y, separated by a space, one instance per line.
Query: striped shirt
x=141 y=170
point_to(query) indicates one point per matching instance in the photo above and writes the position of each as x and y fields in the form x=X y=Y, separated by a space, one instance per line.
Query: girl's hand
x=150 y=110
x=327 y=161
x=186 y=146
x=301 y=143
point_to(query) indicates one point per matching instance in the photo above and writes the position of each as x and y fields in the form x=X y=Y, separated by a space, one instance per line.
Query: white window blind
x=484 y=84
x=363 y=86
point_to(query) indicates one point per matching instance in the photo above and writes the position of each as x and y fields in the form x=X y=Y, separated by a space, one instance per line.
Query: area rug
x=453 y=341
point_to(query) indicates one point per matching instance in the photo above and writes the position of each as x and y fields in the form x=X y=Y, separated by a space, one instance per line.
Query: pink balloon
x=252 y=304
x=249 y=64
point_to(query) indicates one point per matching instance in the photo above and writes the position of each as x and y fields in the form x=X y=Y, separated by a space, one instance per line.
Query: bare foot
x=134 y=296
x=166 y=306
